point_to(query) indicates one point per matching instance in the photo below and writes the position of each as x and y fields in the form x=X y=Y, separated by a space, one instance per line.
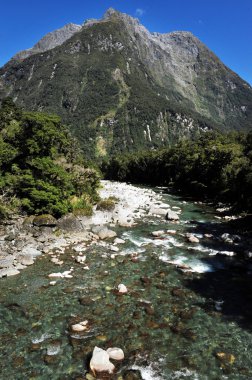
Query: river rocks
x=231 y=239
x=6 y=261
x=114 y=248
x=80 y=259
x=31 y=251
x=25 y=260
x=8 y=272
x=66 y=274
x=132 y=374
x=55 y=275
x=56 y=261
x=46 y=220
x=100 y=362
x=122 y=289
x=158 y=211
x=70 y=222
x=225 y=358
x=80 y=327
x=157 y=233
x=115 y=353
x=172 y=215
x=10 y=237
x=178 y=292
x=192 y=239
x=119 y=241
x=171 y=232
x=104 y=232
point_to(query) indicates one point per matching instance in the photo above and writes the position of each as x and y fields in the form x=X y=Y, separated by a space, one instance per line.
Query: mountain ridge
x=121 y=87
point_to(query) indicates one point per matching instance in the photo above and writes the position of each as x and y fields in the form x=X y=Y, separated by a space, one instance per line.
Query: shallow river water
x=171 y=324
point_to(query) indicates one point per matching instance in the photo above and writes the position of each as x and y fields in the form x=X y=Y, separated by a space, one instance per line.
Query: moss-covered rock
x=106 y=205
x=45 y=220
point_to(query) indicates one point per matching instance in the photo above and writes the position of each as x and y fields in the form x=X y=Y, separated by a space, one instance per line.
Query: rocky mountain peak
x=50 y=41
x=110 y=12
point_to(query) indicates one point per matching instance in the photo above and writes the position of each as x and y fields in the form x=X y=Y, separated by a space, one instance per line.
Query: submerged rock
x=122 y=289
x=132 y=374
x=225 y=358
x=80 y=327
x=115 y=353
x=100 y=362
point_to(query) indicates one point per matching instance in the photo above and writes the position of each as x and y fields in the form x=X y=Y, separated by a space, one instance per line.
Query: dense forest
x=214 y=166
x=41 y=167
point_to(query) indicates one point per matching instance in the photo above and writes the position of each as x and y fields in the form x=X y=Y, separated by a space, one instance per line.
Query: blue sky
x=225 y=26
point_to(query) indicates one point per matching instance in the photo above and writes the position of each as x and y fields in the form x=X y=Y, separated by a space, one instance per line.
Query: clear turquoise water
x=167 y=324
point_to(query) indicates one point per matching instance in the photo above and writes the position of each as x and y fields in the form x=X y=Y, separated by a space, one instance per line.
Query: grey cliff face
x=50 y=41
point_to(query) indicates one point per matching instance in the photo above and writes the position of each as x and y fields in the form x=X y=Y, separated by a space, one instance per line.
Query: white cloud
x=140 y=12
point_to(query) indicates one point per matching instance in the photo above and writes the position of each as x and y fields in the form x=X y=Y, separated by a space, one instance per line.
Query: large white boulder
x=100 y=361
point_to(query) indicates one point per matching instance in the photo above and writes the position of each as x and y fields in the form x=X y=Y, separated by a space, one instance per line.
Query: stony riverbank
x=22 y=239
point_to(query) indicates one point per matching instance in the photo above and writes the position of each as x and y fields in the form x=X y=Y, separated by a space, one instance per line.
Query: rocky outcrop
x=49 y=41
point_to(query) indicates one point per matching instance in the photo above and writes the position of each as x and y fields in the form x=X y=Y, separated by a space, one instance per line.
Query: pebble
x=119 y=241
x=113 y=248
x=122 y=289
x=79 y=327
x=80 y=259
x=192 y=239
x=171 y=232
x=157 y=233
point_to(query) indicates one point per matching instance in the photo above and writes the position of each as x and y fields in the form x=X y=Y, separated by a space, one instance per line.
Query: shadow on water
x=227 y=289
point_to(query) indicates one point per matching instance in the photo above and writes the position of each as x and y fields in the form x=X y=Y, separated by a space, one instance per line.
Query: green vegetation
x=213 y=166
x=42 y=170
x=116 y=99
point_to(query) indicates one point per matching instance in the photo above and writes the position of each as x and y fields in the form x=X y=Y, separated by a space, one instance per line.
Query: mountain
x=49 y=41
x=121 y=88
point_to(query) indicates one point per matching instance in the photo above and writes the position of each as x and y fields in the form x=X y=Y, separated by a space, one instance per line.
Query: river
x=187 y=313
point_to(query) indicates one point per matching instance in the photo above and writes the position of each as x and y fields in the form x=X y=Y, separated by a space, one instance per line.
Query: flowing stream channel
x=187 y=313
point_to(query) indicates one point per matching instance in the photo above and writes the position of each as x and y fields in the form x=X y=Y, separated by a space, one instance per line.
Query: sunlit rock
x=122 y=289
x=115 y=353
x=100 y=362
x=172 y=215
